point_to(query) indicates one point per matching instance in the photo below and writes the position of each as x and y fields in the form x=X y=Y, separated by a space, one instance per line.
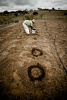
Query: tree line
x=5 y=13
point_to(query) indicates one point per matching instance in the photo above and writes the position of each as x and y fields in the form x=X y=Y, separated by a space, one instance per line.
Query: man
x=27 y=24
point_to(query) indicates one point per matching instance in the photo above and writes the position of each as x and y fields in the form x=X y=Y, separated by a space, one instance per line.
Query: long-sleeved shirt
x=28 y=22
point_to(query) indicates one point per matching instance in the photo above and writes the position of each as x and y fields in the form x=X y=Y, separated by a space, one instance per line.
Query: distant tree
x=31 y=10
x=19 y=11
x=6 y=13
x=1 y=13
x=58 y=8
x=24 y=12
x=53 y=8
x=39 y=8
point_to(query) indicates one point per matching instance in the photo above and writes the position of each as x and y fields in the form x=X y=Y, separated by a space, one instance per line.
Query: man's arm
x=31 y=27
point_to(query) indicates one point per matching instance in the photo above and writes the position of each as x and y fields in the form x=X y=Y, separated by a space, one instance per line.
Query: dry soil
x=19 y=51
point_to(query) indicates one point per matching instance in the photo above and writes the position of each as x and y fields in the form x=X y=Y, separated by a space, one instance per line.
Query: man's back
x=28 y=22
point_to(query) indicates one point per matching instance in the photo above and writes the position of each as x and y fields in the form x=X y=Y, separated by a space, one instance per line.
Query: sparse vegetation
x=29 y=17
x=41 y=16
x=16 y=21
x=15 y=16
x=5 y=20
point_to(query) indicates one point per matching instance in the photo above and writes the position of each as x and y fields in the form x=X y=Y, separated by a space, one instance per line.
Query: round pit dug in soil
x=36 y=72
x=31 y=73
x=36 y=52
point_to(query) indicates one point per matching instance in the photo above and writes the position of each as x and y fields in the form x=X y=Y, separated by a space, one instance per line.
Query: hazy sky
x=11 y=5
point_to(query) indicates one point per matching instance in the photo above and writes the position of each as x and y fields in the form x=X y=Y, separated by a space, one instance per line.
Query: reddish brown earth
x=17 y=57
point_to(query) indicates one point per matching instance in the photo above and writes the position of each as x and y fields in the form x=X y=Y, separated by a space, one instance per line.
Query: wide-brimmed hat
x=33 y=20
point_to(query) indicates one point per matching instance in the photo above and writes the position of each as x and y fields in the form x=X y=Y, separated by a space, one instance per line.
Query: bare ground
x=17 y=55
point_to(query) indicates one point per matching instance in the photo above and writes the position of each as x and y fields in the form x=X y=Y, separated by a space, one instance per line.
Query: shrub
x=41 y=16
x=6 y=22
x=53 y=8
x=27 y=17
x=24 y=12
x=16 y=14
x=35 y=13
x=65 y=13
x=31 y=17
x=1 y=21
x=5 y=19
x=16 y=21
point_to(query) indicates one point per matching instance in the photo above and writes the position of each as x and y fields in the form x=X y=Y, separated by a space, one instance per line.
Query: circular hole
x=36 y=52
x=36 y=72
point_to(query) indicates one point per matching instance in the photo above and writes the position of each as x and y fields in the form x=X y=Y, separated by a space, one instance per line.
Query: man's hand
x=31 y=27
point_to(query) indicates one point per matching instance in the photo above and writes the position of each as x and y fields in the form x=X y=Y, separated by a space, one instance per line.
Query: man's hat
x=33 y=20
